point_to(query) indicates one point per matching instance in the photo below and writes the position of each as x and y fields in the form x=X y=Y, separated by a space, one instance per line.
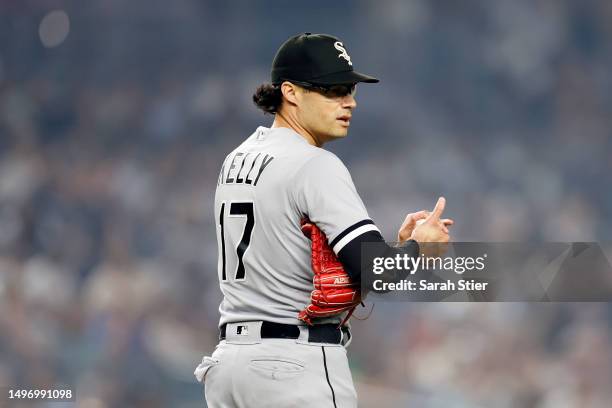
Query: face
x=326 y=113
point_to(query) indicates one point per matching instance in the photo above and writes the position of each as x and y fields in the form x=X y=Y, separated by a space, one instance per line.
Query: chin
x=342 y=132
x=335 y=134
x=338 y=135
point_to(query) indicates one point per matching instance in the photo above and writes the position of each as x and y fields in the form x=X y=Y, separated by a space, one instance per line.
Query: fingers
x=413 y=219
x=410 y=222
x=438 y=209
x=447 y=221
x=419 y=215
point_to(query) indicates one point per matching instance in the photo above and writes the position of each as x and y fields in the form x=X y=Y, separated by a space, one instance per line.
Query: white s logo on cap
x=343 y=54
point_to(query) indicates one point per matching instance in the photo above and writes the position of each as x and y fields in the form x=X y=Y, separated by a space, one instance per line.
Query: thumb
x=438 y=209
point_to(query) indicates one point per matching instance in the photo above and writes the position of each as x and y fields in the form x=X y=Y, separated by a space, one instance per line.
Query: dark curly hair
x=268 y=98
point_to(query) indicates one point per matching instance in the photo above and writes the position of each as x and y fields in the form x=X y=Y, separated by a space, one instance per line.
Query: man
x=267 y=186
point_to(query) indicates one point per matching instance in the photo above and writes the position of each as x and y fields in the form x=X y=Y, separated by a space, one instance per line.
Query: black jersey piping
x=349 y=230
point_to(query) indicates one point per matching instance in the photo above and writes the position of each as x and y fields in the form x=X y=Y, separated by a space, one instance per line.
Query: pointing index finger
x=439 y=208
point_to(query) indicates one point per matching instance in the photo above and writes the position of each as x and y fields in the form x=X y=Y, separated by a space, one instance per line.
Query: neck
x=281 y=119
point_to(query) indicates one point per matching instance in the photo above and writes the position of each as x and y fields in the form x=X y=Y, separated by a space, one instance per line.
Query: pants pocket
x=277 y=368
x=202 y=369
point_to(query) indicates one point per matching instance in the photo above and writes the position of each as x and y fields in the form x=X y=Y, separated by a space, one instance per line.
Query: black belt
x=320 y=333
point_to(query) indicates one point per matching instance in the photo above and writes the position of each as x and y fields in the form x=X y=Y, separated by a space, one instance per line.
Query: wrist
x=401 y=238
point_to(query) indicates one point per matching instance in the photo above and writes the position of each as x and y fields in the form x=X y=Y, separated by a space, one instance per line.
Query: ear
x=290 y=92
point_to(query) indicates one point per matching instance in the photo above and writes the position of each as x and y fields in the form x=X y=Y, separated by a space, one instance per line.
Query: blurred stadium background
x=115 y=117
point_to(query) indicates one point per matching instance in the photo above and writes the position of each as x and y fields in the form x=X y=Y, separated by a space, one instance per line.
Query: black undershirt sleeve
x=350 y=256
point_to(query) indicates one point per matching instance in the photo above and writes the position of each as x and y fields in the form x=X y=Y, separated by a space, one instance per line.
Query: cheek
x=324 y=122
x=325 y=114
x=317 y=116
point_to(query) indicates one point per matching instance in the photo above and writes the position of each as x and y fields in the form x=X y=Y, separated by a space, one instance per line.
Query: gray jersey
x=265 y=187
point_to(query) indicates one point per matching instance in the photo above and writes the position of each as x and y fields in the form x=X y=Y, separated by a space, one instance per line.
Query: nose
x=349 y=102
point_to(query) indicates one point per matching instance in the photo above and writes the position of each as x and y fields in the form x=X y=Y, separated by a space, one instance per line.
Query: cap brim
x=346 y=77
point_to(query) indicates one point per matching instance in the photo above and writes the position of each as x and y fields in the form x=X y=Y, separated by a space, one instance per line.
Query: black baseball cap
x=317 y=59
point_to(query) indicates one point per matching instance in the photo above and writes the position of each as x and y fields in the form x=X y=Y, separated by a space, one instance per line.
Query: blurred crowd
x=111 y=142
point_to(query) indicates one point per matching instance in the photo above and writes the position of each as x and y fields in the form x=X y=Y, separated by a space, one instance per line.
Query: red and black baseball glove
x=334 y=291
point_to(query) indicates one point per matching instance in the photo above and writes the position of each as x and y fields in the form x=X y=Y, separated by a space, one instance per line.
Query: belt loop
x=304 y=332
x=348 y=336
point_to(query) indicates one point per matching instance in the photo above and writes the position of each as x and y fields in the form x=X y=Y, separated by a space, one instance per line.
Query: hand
x=410 y=222
x=417 y=218
x=432 y=230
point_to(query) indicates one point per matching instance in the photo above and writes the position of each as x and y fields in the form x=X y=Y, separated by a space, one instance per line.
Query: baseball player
x=287 y=211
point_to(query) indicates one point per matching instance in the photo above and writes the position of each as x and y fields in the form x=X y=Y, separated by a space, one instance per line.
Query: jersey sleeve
x=325 y=193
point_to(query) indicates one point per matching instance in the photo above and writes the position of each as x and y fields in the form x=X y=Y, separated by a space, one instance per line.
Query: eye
x=340 y=91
